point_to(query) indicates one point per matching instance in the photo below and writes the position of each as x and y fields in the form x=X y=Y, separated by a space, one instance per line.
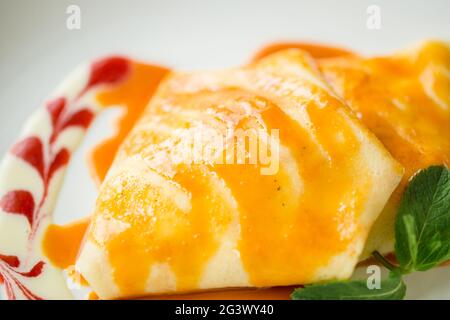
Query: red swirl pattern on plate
x=9 y=272
x=46 y=157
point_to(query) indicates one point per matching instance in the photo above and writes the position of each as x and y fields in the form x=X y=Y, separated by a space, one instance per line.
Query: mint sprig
x=422 y=227
x=392 y=288
x=422 y=241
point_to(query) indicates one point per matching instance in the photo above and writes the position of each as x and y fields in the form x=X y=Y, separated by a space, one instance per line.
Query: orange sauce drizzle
x=315 y=50
x=296 y=253
x=413 y=128
x=133 y=96
x=62 y=243
x=92 y=296
x=275 y=293
x=410 y=135
x=181 y=240
x=76 y=276
x=403 y=99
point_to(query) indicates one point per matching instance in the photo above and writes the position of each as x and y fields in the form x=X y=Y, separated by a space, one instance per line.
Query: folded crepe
x=295 y=209
x=404 y=99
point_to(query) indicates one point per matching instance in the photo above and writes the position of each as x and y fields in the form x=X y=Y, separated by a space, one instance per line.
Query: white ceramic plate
x=37 y=50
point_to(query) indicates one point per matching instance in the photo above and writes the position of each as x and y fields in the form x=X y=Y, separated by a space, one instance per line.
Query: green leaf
x=392 y=288
x=422 y=230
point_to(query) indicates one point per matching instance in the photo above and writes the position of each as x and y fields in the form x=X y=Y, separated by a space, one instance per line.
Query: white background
x=37 y=50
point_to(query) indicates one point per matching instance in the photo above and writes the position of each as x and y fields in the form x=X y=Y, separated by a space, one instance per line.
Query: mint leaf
x=422 y=229
x=392 y=288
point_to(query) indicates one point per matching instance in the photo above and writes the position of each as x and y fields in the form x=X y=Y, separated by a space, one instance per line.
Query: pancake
x=404 y=99
x=257 y=176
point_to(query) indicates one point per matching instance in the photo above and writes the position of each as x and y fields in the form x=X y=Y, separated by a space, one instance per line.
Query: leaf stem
x=378 y=256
